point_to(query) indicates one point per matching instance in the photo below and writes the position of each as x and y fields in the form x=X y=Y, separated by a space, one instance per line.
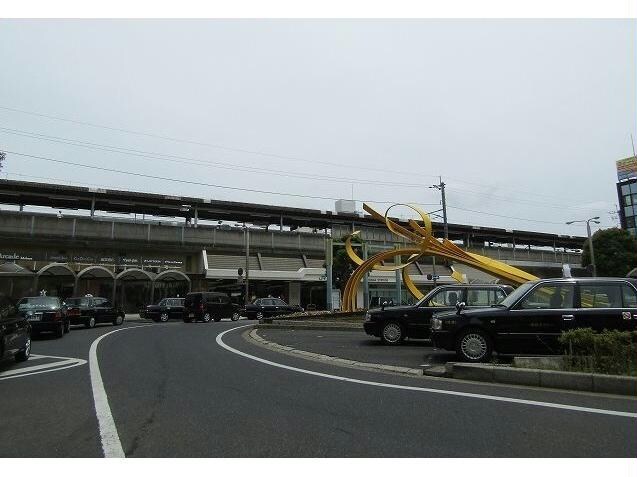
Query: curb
x=328 y=326
x=590 y=382
x=254 y=336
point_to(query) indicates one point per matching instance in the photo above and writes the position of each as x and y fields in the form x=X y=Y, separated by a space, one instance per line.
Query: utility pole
x=247 y=235
x=441 y=187
x=329 y=250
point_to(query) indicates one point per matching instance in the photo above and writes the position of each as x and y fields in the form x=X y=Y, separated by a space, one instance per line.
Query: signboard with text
x=626 y=168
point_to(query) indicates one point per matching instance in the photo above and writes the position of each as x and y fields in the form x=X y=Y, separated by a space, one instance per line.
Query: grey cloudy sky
x=523 y=118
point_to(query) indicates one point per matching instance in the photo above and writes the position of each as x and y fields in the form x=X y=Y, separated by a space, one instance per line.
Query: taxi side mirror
x=459 y=307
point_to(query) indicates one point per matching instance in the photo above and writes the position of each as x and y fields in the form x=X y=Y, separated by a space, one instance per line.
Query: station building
x=72 y=248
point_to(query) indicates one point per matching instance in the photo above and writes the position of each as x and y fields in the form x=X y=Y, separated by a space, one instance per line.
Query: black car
x=269 y=307
x=531 y=319
x=45 y=313
x=393 y=324
x=90 y=310
x=166 y=309
x=15 y=332
x=209 y=306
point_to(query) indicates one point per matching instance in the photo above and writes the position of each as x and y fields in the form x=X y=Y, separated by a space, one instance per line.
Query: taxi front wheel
x=392 y=333
x=474 y=346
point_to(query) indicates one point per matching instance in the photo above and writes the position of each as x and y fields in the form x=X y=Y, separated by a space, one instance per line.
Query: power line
x=198 y=162
x=523 y=201
x=272 y=155
x=216 y=146
x=228 y=166
x=183 y=181
x=504 y=216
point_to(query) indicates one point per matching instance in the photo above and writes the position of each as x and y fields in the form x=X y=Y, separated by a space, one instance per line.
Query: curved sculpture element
x=424 y=243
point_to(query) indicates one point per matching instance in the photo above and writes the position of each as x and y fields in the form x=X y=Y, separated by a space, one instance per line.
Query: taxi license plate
x=191 y=315
x=35 y=317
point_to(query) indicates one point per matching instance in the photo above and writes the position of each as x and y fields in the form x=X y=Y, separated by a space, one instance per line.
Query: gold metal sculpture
x=423 y=243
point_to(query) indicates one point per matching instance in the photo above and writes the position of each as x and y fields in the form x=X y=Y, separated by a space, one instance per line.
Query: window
x=99 y=301
x=600 y=296
x=628 y=211
x=478 y=297
x=163 y=302
x=484 y=296
x=633 y=188
x=548 y=297
x=499 y=296
x=447 y=297
x=628 y=200
x=630 y=222
x=629 y=297
x=278 y=302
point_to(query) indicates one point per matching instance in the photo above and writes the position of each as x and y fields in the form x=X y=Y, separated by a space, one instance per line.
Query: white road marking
x=489 y=397
x=111 y=444
x=64 y=363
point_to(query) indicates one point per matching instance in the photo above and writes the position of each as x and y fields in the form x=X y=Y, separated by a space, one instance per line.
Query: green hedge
x=608 y=352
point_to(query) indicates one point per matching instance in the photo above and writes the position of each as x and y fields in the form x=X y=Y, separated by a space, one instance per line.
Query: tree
x=342 y=266
x=615 y=252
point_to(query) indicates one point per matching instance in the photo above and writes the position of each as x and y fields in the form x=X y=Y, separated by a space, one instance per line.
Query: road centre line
x=111 y=445
x=488 y=397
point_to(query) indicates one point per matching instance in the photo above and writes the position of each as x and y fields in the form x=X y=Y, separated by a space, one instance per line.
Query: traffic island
x=308 y=325
x=323 y=321
x=487 y=373
x=253 y=336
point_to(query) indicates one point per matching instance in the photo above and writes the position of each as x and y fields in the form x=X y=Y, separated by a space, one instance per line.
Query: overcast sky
x=523 y=119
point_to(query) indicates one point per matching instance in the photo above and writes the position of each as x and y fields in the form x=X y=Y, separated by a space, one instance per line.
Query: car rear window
x=32 y=303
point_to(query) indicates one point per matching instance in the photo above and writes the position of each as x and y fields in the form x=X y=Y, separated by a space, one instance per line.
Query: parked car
x=209 y=306
x=90 y=310
x=269 y=307
x=393 y=324
x=531 y=319
x=15 y=332
x=45 y=313
x=166 y=309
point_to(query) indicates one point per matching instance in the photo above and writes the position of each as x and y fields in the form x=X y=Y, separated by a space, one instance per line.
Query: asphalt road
x=175 y=392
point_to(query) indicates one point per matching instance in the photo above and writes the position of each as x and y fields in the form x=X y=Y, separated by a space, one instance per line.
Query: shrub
x=608 y=352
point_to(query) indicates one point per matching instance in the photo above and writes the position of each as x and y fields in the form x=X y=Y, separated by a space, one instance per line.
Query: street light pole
x=590 y=238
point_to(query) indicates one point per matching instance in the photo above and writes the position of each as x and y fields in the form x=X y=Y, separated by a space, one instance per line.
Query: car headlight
x=436 y=324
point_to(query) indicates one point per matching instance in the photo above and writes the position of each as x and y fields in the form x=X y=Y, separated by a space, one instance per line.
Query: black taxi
x=532 y=318
x=395 y=323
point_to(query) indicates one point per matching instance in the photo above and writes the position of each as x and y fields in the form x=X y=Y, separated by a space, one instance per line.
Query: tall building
x=627 y=193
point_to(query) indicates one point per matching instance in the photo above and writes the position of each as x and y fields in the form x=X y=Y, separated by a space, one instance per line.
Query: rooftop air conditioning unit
x=344 y=206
